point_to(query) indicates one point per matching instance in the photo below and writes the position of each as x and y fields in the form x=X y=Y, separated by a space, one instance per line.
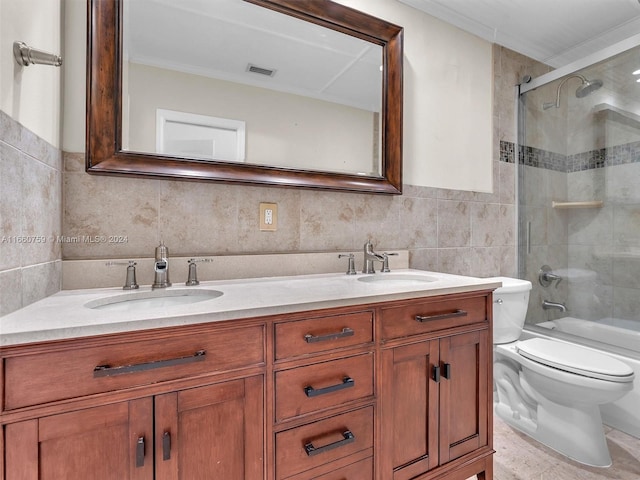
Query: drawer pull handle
x=140 y=452
x=166 y=446
x=311 y=450
x=347 y=382
x=346 y=332
x=441 y=316
x=108 y=370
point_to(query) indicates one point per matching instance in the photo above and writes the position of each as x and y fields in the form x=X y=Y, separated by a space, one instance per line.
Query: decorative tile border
x=589 y=160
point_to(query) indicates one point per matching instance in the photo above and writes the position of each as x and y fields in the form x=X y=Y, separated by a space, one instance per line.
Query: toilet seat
x=575 y=359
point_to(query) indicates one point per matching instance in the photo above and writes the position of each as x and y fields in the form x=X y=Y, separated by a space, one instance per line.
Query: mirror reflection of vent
x=269 y=72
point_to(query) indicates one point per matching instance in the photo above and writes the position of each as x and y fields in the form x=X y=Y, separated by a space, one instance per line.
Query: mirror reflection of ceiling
x=554 y=32
x=223 y=38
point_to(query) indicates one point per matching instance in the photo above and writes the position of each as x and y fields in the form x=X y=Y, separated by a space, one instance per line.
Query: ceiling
x=222 y=39
x=555 y=32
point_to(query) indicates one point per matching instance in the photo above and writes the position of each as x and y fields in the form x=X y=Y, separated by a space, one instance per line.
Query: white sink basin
x=136 y=301
x=399 y=279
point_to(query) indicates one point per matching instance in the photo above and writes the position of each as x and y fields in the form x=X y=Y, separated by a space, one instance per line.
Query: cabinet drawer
x=321 y=334
x=323 y=385
x=430 y=315
x=362 y=470
x=77 y=371
x=306 y=447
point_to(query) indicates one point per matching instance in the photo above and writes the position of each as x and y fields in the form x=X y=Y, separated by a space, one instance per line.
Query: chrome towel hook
x=26 y=55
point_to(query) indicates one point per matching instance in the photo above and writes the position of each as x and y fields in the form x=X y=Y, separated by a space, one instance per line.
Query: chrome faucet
x=161 y=267
x=547 y=305
x=369 y=257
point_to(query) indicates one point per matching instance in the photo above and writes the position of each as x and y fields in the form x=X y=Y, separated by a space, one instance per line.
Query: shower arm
x=576 y=75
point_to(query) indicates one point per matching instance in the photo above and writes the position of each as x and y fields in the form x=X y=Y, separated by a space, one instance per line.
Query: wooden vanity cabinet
x=436 y=386
x=386 y=391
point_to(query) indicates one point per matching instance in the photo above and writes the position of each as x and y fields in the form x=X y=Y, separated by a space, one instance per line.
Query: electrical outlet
x=268 y=217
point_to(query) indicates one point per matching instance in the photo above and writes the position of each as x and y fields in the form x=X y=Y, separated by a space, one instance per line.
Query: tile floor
x=518 y=457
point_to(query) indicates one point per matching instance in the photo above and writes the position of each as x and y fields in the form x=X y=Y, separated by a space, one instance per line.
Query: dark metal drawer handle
x=346 y=332
x=108 y=370
x=347 y=382
x=441 y=316
x=311 y=450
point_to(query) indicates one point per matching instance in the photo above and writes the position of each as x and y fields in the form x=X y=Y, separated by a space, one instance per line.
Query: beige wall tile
x=454 y=224
x=40 y=281
x=11 y=168
x=10 y=291
x=30 y=216
x=99 y=211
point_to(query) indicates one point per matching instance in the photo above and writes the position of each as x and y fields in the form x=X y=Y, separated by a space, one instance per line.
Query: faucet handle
x=385 y=263
x=130 y=282
x=351 y=270
x=192 y=278
x=546 y=276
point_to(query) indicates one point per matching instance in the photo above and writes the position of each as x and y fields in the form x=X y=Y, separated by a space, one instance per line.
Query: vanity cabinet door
x=110 y=442
x=435 y=404
x=409 y=410
x=214 y=431
x=464 y=394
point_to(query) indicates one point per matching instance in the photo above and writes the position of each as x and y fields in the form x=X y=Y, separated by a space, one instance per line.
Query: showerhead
x=587 y=87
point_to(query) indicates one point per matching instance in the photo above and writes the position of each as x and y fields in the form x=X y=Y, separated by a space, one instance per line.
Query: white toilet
x=548 y=389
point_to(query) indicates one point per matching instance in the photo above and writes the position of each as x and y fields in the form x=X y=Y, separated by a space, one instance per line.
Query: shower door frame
x=585 y=62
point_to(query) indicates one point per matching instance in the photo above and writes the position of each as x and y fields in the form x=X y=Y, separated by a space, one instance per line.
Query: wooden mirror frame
x=104 y=154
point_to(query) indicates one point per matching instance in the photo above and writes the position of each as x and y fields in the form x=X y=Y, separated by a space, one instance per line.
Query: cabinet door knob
x=446 y=371
x=436 y=373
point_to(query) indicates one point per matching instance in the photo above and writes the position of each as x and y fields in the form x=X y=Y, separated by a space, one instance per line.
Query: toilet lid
x=575 y=359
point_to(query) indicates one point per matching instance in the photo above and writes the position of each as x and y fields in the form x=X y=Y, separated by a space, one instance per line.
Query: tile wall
x=30 y=216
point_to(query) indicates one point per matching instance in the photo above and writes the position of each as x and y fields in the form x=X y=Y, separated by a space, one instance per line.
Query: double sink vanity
x=327 y=376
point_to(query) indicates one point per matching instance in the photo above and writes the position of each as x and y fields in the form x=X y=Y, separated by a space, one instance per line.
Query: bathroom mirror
x=278 y=71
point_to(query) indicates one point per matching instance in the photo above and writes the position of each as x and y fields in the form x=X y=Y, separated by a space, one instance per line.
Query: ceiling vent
x=269 y=72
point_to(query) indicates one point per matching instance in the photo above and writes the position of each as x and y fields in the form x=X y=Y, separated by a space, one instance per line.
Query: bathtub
x=609 y=336
x=612 y=331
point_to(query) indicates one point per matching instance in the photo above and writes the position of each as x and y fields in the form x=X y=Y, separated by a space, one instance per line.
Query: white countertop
x=65 y=314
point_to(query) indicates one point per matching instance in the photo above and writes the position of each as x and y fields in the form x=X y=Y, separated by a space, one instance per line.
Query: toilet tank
x=510 y=303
